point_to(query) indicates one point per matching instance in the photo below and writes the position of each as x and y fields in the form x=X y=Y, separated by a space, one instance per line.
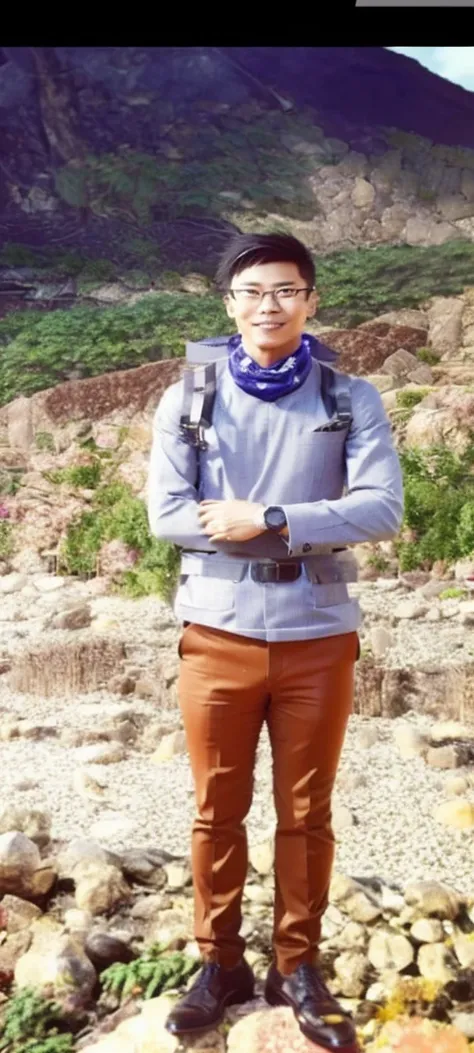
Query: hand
x=230 y=520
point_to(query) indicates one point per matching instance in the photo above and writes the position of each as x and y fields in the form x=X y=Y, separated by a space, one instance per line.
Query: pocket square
x=332 y=425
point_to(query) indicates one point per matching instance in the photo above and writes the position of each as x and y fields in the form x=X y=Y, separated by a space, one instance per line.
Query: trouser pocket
x=185 y=625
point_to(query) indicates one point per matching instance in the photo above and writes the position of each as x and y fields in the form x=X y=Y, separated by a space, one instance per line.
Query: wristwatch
x=273 y=518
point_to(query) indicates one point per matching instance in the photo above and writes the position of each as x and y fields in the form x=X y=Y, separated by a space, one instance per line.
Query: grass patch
x=39 y=349
x=116 y=514
x=427 y=355
x=366 y=282
x=31 y=1024
x=153 y=972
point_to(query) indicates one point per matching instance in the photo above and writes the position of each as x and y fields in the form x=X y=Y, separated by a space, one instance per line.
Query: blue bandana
x=271 y=382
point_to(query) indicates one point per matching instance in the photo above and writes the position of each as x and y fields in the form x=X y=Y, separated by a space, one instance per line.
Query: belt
x=321 y=569
x=275 y=571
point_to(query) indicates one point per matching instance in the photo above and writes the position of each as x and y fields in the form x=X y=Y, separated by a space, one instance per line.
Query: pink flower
x=4 y=513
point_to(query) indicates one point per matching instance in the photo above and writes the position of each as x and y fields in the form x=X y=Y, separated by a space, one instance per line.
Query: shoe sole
x=275 y=999
x=215 y=1023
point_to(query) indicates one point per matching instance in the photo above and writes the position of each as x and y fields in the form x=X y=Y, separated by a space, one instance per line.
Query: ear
x=312 y=304
x=229 y=306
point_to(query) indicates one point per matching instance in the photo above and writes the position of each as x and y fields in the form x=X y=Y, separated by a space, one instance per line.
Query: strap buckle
x=193 y=434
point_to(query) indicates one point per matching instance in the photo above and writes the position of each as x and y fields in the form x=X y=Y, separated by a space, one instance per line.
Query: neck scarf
x=269 y=382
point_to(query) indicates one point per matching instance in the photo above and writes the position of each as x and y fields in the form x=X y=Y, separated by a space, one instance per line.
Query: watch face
x=275 y=518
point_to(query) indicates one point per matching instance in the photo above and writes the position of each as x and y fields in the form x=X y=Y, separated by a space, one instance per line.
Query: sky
x=455 y=64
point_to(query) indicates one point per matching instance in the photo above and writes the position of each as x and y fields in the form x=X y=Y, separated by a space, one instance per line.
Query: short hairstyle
x=249 y=250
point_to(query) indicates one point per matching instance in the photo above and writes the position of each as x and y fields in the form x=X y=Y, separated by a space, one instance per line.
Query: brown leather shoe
x=204 y=1004
x=320 y=1017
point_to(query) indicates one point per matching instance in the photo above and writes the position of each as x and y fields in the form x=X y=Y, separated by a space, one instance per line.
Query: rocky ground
x=103 y=760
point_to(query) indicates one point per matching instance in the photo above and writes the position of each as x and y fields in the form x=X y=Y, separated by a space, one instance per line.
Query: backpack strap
x=197 y=405
x=336 y=395
x=198 y=401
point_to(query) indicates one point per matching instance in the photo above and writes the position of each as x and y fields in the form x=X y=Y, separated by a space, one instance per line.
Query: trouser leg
x=311 y=685
x=222 y=696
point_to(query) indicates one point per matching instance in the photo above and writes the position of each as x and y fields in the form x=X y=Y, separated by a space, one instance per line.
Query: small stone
x=121 y=685
x=353 y=936
x=12 y=582
x=48 y=582
x=74 y=618
x=103 y=949
x=456 y=785
x=145 y=687
x=410 y=741
x=17 y=914
x=367 y=737
x=435 y=962
x=464 y=948
x=376 y=992
x=410 y=609
x=342 y=818
x=169 y=747
x=391 y=899
x=381 y=639
x=427 y=930
x=258 y=894
x=457 y=813
x=433 y=898
x=100 y=887
x=451 y=729
x=178 y=876
x=388 y=950
x=464 y=1022
x=351 y=968
x=442 y=757
x=262 y=855
x=102 y=753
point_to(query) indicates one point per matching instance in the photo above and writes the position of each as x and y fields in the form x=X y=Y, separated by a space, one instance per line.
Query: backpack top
x=212 y=348
x=199 y=392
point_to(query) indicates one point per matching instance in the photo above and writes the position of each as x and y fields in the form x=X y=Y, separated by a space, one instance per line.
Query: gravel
x=394 y=835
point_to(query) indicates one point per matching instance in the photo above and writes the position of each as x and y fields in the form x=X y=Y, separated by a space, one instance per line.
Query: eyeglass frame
x=271 y=292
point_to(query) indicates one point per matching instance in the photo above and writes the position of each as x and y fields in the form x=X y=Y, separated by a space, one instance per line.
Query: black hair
x=248 y=250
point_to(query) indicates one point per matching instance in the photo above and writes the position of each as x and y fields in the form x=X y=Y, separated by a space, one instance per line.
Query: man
x=271 y=639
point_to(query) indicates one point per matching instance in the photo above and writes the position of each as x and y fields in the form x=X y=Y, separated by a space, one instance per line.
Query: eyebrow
x=276 y=285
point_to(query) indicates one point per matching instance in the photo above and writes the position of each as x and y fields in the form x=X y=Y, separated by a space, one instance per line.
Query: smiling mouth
x=269 y=325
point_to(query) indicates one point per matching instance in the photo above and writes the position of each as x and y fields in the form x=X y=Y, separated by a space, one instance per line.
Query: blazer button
x=307 y=547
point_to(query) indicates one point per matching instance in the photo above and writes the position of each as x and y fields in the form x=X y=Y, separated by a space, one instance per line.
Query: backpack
x=198 y=398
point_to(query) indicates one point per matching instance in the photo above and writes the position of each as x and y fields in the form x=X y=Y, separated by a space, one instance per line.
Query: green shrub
x=408 y=398
x=439 y=506
x=44 y=441
x=30 y=1025
x=155 y=971
x=81 y=475
x=426 y=354
x=371 y=281
x=6 y=539
x=452 y=594
x=14 y=255
x=10 y=480
x=40 y=348
x=115 y=514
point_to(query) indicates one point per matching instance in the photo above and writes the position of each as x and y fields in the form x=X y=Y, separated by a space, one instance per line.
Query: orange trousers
x=228 y=686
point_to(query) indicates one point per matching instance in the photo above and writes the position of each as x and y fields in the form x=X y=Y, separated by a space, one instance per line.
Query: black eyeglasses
x=280 y=295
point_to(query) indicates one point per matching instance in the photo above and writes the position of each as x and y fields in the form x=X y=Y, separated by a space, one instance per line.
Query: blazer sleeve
x=372 y=508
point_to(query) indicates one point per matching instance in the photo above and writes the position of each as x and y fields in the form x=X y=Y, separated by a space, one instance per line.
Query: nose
x=269 y=302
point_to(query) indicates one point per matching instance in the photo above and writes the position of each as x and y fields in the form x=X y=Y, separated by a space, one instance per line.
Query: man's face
x=271 y=328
